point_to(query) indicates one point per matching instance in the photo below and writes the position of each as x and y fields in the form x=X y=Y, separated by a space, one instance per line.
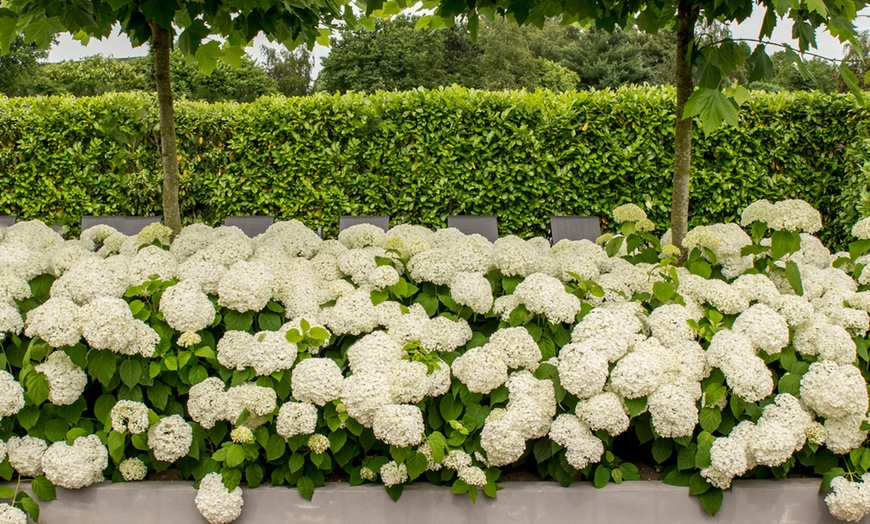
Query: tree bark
x=687 y=16
x=160 y=45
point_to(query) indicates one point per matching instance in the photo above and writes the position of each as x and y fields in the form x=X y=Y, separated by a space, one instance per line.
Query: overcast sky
x=119 y=46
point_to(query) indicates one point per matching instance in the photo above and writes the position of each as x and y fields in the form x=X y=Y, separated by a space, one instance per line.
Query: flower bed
x=413 y=355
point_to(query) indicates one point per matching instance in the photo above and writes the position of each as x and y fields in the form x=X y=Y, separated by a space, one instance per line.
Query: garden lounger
x=486 y=226
x=124 y=224
x=251 y=225
x=574 y=228
x=382 y=221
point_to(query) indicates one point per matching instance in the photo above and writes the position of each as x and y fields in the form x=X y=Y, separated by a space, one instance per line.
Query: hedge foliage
x=420 y=156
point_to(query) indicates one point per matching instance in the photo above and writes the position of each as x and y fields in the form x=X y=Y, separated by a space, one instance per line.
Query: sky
x=120 y=47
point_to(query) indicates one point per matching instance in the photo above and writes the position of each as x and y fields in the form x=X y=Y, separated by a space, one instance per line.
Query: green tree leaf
x=43 y=488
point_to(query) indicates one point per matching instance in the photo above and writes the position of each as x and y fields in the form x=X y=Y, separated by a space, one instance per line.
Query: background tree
x=816 y=75
x=392 y=57
x=291 y=70
x=19 y=64
x=237 y=21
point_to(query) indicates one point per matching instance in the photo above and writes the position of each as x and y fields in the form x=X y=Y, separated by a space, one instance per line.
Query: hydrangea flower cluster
x=384 y=361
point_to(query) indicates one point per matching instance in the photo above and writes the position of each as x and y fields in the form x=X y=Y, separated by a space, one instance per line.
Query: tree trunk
x=160 y=45
x=687 y=15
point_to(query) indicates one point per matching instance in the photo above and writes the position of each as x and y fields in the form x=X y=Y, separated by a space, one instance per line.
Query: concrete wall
x=757 y=501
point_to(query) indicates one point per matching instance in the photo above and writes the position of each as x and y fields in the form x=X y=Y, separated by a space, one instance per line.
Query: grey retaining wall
x=755 y=501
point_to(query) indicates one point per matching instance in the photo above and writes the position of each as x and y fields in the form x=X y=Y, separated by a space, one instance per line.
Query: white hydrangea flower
x=796 y=310
x=438 y=381
x=352 y=314
x=812 y=252
x=229 y=246
x=2 y=450
x=426 y=449
x=472 y=290
x=514 y=256
x=133 y=469
x=93 y=278
x=408 y=240
x=383 y=277
x=364 y=392
x=673 y=410
x=107 y=323
x=757 y=287
x=519 y=348
x=191 y=239
x=25 y=455
x=271 y=352
x=188 y=339
x=604 y=411
x=293 y=237
x=780 y=432
x=582 y=370
x=457 y=459
x=246 y=286
x=833 y=390
x=434 y=265
x=206 y=402
x=636 y=375
x=66 y=381
x=77 y=466
x=170 y=439
x=747 y=375
x=531 y=404
x=628 y=213
x=795 y=215
x=669 y=324
x=149 y=261
x=473 y=476
x=835 y=343
x=393 y=474
x=12 y=287
x=23 y=261
x=258 y=400
x=296 y=418
x=129 y=415
x=186 y=308
x=317 y=380
x=12 y=515
x=583 y=448
x=215 y=502
x=362 y=235
x=408 y=381
x=855 y=321
x=399 y=425
x=763 y=326
x=758 y=211
x=373 y=351
x=481 y=369
x=318 y=443
x=861 y=229
x=56 y=321
x=844 y=434
x=723 y=297
x=849 y=501
x=545 y=295
x=501 y=440
x=729 y=458
x=612 y=331
x=204 y=271
x=11 y=395
x=10 y=320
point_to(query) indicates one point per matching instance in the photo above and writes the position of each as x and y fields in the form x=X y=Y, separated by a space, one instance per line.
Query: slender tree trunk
x=687 y=15
x=160 y=42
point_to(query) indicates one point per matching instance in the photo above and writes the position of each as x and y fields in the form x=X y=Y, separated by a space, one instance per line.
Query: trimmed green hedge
x=420 y=156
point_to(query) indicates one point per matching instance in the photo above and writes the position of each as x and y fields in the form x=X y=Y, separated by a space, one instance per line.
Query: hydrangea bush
x=411 y=354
